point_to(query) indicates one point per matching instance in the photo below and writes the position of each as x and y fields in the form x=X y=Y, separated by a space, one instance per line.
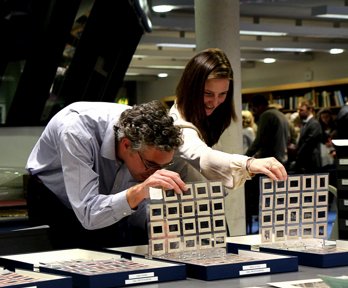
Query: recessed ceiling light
x=162 y=75
x=336 y=51
x=262 y=33
x=269 y=60
x=165 y=67
x=163 y=8
x=176 y=45
x=280 y=49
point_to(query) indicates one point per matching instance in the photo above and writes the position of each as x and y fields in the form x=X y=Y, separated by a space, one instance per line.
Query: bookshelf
x=331 y=94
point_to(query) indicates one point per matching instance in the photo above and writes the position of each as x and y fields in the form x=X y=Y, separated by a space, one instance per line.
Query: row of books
x=319 y=99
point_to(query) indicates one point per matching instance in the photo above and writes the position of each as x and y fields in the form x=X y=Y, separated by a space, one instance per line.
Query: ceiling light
x=132 y=74
x=269 y=60
x=262 y=33
x=286 y=49
x=163 y=8
x=176 y=45
x=336 y=51
x=165 y=67
x=340 y=12
x=162 y=75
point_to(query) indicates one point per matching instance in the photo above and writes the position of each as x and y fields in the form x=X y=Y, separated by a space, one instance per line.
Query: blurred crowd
x=301 y=140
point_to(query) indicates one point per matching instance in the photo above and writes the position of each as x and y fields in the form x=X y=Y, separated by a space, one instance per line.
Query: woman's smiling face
x=215 y=93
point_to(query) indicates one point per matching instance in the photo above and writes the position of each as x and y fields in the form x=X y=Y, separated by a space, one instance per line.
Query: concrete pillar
x=217 y=25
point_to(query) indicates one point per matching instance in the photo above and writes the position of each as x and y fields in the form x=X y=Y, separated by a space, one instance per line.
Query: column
x=217 y=25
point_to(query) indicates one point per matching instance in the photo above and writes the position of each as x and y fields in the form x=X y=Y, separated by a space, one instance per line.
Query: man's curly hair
x=149 y=124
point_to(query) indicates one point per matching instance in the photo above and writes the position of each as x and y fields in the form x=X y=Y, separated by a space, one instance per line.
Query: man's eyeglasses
x=149 y=165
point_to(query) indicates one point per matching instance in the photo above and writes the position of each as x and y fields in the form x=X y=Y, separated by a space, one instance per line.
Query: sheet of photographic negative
x=296 y=208
x=8 y=278
x=96 y=267
x=23 y=278
x=189 y=221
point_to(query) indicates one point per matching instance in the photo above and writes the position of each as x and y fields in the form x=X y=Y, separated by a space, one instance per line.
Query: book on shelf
x=319 y=99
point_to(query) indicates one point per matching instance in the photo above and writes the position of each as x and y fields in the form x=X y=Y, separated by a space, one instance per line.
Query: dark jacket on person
x=308 y=158
x=342 y=123
x=273 y=136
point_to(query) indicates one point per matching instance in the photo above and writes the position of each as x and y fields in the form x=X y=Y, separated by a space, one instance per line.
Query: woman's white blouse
x=212 y=163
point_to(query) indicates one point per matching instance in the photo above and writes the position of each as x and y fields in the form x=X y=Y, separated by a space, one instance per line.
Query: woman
x=328 y=124
x=204 y=108
x=327 y=149
x=249 y=129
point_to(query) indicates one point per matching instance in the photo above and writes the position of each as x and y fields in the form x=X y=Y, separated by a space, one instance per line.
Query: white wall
x=16 y=144
x=155 y=90
x=323 y=67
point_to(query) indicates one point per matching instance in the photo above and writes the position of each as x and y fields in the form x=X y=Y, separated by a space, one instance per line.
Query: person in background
x=327 y=150
x=294 y=126
x=308 y=158
x=341 y=133
x=249 y=129
x=273 y=132
x=342 y=122
x=296 y=123
x=327 y=122
x=204 y=108
x=91 y=169
x=272 y=138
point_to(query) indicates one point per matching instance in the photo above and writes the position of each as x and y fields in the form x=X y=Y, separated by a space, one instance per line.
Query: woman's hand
x=270 y=166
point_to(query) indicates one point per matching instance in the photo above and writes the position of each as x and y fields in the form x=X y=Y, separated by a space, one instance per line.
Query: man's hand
x=160 y=179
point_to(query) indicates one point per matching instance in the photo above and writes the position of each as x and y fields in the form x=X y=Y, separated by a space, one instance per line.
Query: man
x=308 y=159
x=272 y=138
x=273 y=131
x=91 y=170
x=342 y=122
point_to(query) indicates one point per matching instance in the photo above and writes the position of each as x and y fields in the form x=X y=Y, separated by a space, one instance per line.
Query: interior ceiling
x=290 y=16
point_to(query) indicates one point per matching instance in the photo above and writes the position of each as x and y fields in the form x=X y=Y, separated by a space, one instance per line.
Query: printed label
x=254 y=271
x=256 y=266
x=141 y=275
x=141 y=280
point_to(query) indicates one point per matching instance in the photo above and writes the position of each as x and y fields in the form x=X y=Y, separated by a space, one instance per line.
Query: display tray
x=310 y=252
x=216 y=264
x=24 y=278
x=95 y=269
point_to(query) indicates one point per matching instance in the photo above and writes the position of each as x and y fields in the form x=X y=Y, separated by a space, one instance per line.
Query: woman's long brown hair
x=208 y=64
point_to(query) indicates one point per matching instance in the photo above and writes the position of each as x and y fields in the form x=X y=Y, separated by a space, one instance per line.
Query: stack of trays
x=216 y=264
x=310 y=252
x=23 y=278
x=94 y=269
